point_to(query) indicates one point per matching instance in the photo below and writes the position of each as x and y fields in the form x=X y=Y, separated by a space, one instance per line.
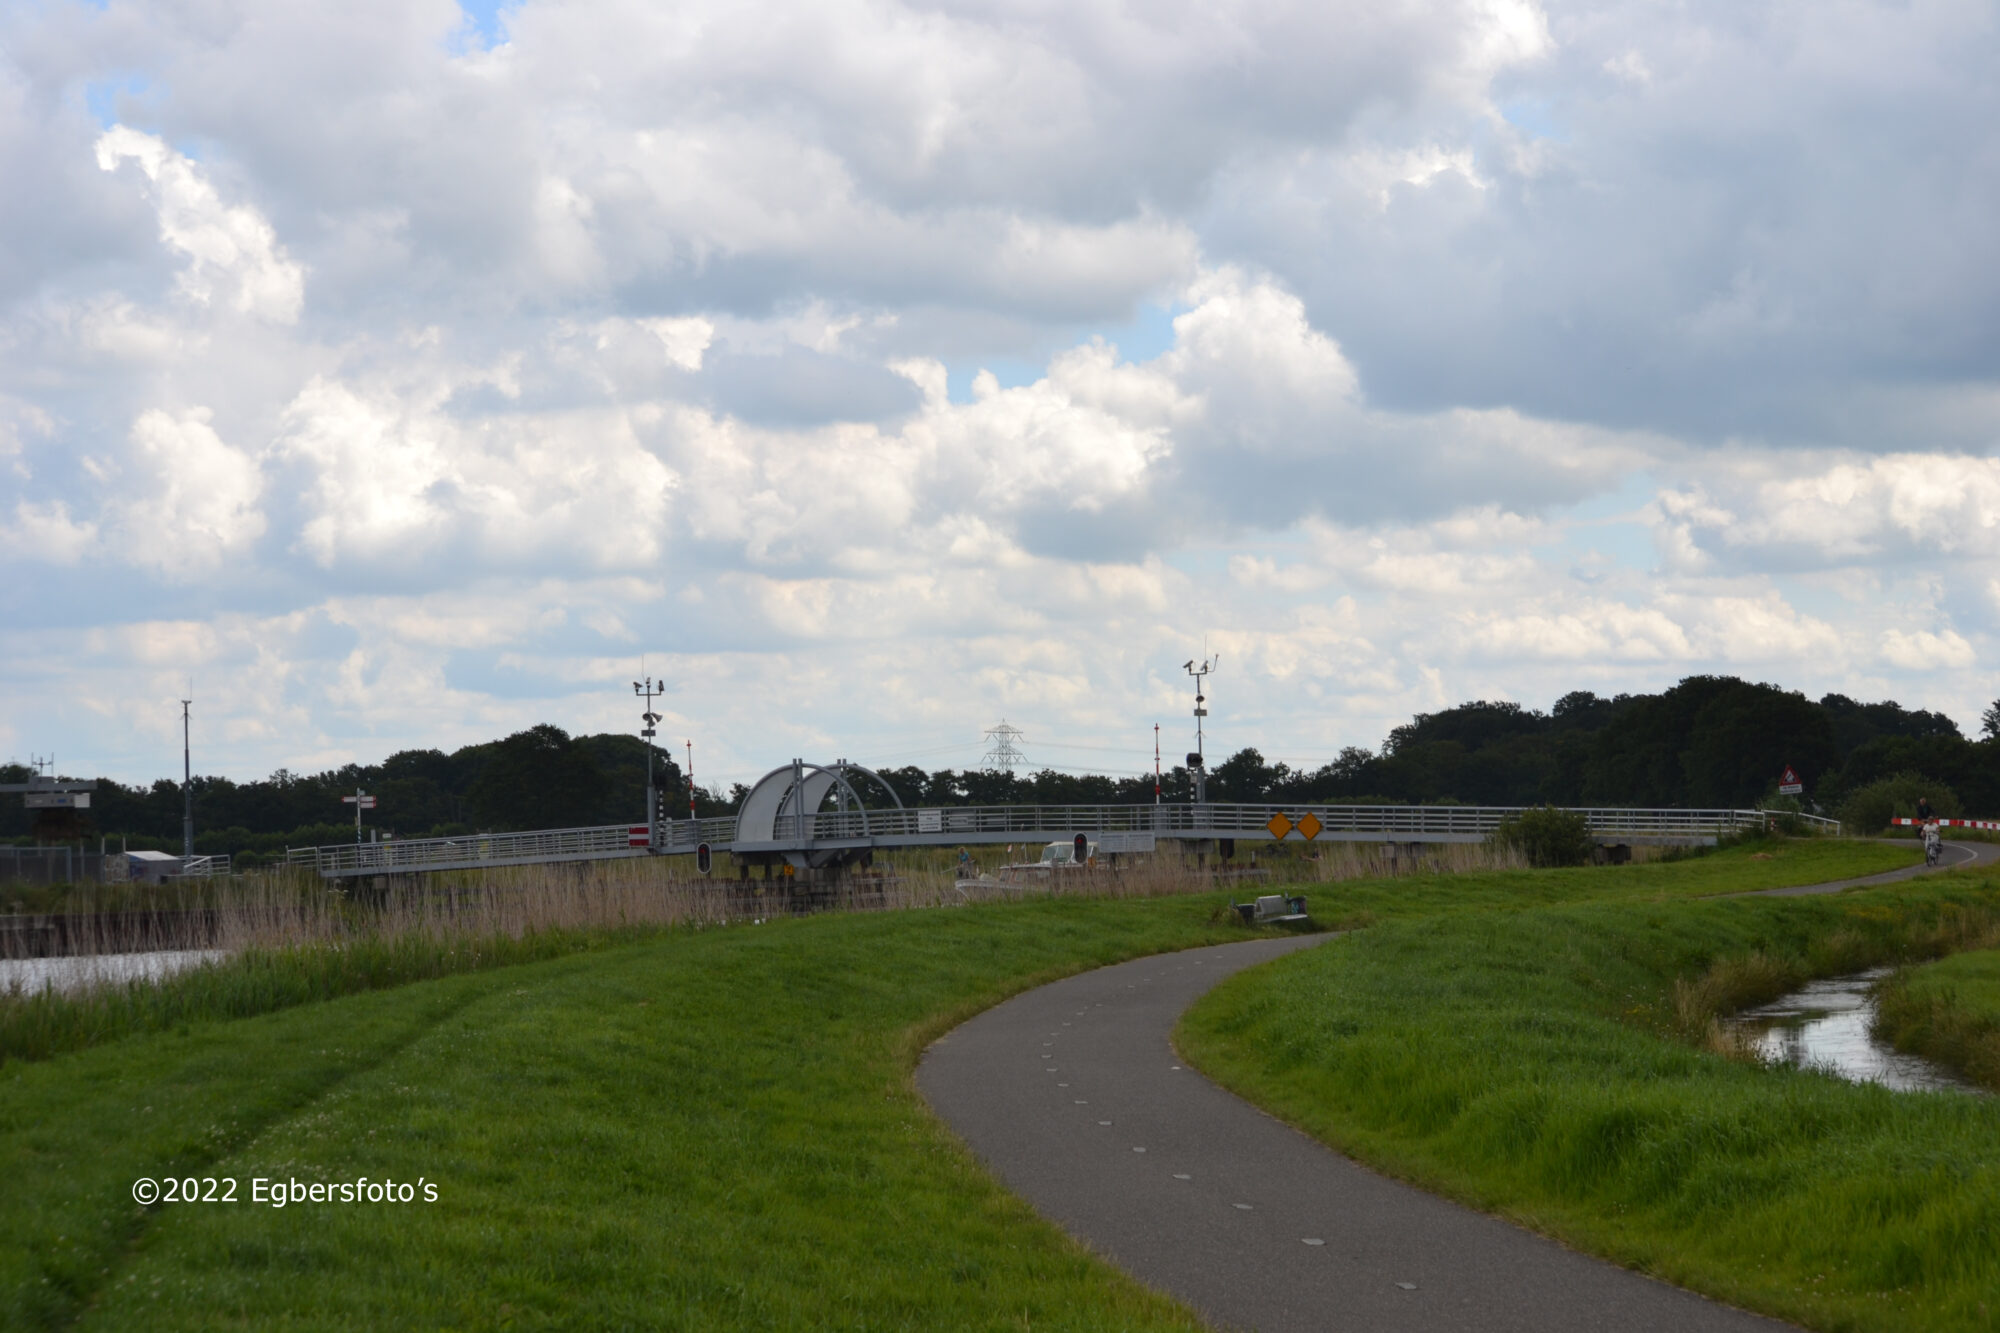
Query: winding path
x=1072 y=1094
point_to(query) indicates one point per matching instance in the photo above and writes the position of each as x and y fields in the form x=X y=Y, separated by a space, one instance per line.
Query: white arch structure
x=780 y=809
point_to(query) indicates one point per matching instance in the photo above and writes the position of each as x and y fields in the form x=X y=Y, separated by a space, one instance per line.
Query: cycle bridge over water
x=813 y=818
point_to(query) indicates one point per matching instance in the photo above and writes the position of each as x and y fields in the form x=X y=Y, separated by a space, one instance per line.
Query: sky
x=391 y=375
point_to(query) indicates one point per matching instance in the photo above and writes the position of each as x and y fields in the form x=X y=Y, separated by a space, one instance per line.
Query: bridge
x=813 y=817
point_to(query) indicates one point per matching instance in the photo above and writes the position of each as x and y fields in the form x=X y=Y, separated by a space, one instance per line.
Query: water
x=75 y=973
x=1825 y=1026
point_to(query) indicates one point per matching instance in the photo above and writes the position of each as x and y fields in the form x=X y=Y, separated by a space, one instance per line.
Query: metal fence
x=1020 y=823
x=50 y=865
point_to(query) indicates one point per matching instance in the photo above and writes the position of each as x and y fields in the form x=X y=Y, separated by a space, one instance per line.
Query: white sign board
x=1125 y=842
x=57 y=800
x=930 y=821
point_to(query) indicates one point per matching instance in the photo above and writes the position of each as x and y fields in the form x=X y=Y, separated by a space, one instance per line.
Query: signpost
x=361 y=800
x=1789 y=784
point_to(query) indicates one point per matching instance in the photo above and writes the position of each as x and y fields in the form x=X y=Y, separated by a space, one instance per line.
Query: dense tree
x=1707 y=741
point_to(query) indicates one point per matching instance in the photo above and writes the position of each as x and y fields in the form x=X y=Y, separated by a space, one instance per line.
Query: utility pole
x=187 y=781
x=649 y=691
x=1198 y=761
x=1156 y=763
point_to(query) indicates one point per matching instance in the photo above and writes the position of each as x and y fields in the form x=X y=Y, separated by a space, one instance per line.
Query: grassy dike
x=1948 y=1011
x=1547 y=1065
x=703 y=1128
x=710 y=1129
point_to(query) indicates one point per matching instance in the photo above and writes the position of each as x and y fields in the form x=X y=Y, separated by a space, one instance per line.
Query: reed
x=269 y=941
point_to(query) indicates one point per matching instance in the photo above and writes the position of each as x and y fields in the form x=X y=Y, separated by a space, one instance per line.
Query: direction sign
x=1789 y=784
x=365 y=802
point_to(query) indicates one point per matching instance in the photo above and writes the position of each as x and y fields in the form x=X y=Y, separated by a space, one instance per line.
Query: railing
x=1027 y=823
x=410 y=855
x=1238 y=821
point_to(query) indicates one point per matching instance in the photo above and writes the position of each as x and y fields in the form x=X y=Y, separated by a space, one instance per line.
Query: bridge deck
x=1113 y=827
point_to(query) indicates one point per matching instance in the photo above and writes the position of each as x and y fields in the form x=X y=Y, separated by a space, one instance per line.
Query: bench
x=1272 y=908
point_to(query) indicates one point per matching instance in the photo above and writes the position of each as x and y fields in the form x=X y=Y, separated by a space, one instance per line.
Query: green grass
x=1743 y=868
x=1948 y=1011
x=698 y=1128
x=1536 y=1064
x=713 y=1128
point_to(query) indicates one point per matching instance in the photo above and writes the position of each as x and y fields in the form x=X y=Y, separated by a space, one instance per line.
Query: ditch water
x=74 y=973
x=1825 y=1026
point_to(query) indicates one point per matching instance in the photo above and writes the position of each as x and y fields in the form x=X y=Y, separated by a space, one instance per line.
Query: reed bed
x=262 y=942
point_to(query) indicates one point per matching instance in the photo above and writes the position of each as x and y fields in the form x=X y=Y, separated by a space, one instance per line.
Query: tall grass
x=1551 y=1064
x=284 y=939
x=1948 y=1011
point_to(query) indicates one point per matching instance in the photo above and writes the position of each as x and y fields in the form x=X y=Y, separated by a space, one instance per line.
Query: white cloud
x=233 y=250
x=1454 y=358
x=1925 y=651
x=189 y=501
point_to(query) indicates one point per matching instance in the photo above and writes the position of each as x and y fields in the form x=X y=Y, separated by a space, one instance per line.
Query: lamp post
x=187 y=786
x=1198 y=761
x=649 y=690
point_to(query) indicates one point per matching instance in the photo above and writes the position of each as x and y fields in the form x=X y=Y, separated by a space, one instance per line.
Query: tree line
x=1709 y=741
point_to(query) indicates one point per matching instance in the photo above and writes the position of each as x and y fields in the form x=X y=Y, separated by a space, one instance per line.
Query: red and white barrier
x=1955 y=823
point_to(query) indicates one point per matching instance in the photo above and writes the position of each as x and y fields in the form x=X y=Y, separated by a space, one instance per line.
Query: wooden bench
x=1271 y=909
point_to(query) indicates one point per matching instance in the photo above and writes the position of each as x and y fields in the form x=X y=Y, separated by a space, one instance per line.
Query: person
x=1924 y=810
x=1933 y=843
x=965 y=870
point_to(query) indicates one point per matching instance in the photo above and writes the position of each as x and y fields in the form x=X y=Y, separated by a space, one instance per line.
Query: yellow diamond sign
x=1309 y=826
x=1279 y=826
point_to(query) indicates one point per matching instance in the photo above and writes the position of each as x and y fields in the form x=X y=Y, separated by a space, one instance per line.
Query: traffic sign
x=1309 y=825
x=638 y=835
x=365 y=802
x=1789 y=784
x=1279 y=826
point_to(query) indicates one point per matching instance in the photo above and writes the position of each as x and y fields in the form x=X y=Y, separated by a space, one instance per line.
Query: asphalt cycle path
x=1073 y=1096
x=1957 y=856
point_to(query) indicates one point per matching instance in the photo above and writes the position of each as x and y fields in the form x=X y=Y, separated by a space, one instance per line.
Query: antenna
x=1004 y=754
x=1198 y=761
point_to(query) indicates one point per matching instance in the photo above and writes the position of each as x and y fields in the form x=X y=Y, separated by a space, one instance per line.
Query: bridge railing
x=409 y=855
x=1236 y=820
x=1030 y=823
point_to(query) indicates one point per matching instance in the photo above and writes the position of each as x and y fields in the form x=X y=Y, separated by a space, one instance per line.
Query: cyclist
x=1933 y=843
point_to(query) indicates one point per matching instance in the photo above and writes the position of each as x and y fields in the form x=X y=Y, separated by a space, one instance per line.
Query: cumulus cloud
x=188 y=501
x=1411 y=352
x=231 y=251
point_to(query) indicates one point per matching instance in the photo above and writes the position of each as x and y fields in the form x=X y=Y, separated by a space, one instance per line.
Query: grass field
x=1948 y=1011
x=698 y=1128
x=1549 y=1065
